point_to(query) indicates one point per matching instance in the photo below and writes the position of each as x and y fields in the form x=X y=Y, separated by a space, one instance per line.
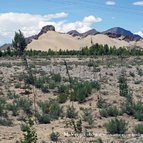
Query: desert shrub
x=137 y=82
x=14 y=108
x=71 y=112
x=81 y=91
x=45 y=88
x=38 y=82
x=2 y=105
x=62 y=98
x=52 y=108
x=55 y=110
x=101 y=103
x=63 y=89
x=12 y=95
x=5 y=122
x=17 y=85
x=140 y=71
x=44 y=118
x=116 y=126
x=52 y=84
x=87 y=116
x=139 y=115
x=54 y=136
x=25 y=104
x=132 y=74
x=138 y=129
x=111 y=111
x=128 y=108
x=56 y=77
x=77 y=125
x=99 y=140
x=29 y=133
x=96 y=85
x=123 y=86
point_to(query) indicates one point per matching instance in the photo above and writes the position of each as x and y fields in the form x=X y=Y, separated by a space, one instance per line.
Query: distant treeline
x=95 y=49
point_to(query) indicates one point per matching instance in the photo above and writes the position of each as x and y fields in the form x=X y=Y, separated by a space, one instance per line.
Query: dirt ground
x=106 y=70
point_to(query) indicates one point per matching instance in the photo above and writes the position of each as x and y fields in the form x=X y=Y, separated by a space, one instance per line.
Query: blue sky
x=31 y=15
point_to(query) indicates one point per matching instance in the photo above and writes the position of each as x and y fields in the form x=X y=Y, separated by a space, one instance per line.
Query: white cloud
x=140 y=33
x=110 y=2
x=139 y=3
x=31 y=24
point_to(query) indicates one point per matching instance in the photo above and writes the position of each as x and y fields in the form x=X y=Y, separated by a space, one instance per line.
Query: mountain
x=48 y=38
x=118 y=32
x=5 y=46
x=74 y=33
x=90 y=32
x=45 y=29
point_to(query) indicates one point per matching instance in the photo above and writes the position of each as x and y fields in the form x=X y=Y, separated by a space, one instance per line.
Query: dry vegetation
x=100 y=95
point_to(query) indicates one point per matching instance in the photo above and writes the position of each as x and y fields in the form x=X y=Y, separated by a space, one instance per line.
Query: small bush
x=63 y=89
x=87 y=116
x=2 y=105
x=5 y=122
x=54 y=136
x=51 y=107
x=138 y=129
x=45 y=88
x=29 y=133
x=56 y=77
x=71 y=112
x=14 y=108
x=62 y=98
x=44 y=119
x=116 y=126
x=101 y=103
x=25 y=104
x=111 y=111
x=96 y=85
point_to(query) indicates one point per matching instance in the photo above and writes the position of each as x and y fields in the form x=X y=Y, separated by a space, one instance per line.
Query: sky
x=31 y=15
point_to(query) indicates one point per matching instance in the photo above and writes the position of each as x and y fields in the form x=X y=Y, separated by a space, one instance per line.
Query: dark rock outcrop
x=74 y=33
x=45 y=29
x=90 y=32
x=126 y=35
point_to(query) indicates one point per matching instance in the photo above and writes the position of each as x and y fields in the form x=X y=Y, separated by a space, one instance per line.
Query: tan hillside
x=55 y=41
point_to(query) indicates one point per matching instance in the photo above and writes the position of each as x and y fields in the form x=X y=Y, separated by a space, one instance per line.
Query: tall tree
x=19 y=43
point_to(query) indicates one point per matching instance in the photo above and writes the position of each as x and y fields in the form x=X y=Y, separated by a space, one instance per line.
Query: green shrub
x=81 y=91
x=30 y=135
x=96 y=85
x=101 y=103
x=2 y=105
x=52 y=84
x=12 y=95
x=140 y=71
x=51 y=107
x=54 y=136
x=111 y=111
x=71 y=112
x=5 y=122
x=123 y=86
x=116 y=126
x=25 y=104
x=132 y=74
x=56 y=77
x=138 y=129
x=63 y=89
x=62 y=98
x=87 y=116
x=45 y=88
x=17 y=85
x=44 y=119
x=14 y=108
